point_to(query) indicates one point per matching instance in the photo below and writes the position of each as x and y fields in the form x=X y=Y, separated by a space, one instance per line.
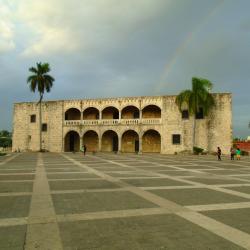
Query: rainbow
x=169 y=65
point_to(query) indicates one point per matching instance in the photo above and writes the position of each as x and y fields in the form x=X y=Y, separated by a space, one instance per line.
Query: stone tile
x=81 y=184
x=197 y=196
x=154 y=182
x=115 y=168
x=130 y=174
x=243 y=189
x=17 y=177
x=6 y=187
x=225 y=172
x=14 y=206
x=215 y=181
x=49 y=170
x=99 y=201
x=176 y=173
x=237 y=218
x=12 y=171
x=71 y=176
x=145 y=232
x=13 y=237
x=156 y=168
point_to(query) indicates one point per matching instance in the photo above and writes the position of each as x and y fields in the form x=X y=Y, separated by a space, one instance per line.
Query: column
x=140 y=144
x=119 y=144
x=81 y=144
x=81 y=119
x=140 y=117
x=99 y=144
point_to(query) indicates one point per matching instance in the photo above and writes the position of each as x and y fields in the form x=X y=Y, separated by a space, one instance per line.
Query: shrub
x=244 y=152
x=197 y=150
x=2 y=154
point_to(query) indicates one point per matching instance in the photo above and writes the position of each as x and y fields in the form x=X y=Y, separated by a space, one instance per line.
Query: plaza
x=123 y=201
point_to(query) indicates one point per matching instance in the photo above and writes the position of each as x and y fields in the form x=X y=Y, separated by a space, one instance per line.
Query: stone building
x=129 y=124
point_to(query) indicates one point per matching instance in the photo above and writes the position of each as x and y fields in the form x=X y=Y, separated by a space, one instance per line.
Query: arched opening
x=91 y=114
x=72 y=114
x=151 y=111
x=72 y=142
x=110 y=141
x=130 y=141
x=130 y=112
x=151 y=142
x=90 y=140
x=110 y=113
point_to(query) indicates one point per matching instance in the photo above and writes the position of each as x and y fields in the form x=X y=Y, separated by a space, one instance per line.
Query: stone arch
x=72 y=141
x=91 y=113
x=72 y=114
x=109 y=141
x=151 y=141
x=91 y=140
x=130 y=112
x=130 y=141
x=151 y=111
x=110 y=112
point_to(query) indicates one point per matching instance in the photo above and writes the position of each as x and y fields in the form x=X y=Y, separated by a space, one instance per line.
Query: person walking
x=84 y=149
x=238 y=153
x=219 y=153
x=232 y=151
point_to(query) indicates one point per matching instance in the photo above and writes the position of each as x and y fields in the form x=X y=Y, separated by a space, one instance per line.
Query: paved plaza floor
x=124 y=202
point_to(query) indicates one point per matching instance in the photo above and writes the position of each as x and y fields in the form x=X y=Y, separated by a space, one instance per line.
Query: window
x=199 y=114
x=136 y=115
x=176 y=139
x=33 y=118
x=185 y=114
x=44 y=127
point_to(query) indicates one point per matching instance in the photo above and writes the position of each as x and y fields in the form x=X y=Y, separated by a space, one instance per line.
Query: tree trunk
x=40 y=124
x=194 y=131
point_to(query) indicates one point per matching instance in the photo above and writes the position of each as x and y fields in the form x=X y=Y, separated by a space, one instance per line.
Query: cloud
x=62 y=26
x=6 y=29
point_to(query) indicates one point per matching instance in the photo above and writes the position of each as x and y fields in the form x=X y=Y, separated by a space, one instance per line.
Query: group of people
x=233 y=152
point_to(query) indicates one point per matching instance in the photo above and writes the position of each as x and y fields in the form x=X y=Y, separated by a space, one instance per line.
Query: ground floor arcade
x=128 y=142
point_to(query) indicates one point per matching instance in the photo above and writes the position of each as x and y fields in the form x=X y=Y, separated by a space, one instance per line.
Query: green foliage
x=245 y=153
x=197 y=150
x=40 y=80
x=2 y=154
x=5 y=139
x=238 y=139
x=198 y=97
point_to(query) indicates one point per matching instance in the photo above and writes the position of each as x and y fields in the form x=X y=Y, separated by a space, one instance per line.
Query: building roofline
x=111 y=98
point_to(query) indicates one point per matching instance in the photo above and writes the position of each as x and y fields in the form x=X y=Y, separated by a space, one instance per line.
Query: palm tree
x=40 y=81
x=198 y=97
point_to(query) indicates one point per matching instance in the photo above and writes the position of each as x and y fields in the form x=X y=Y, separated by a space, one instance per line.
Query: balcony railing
x=111 y=122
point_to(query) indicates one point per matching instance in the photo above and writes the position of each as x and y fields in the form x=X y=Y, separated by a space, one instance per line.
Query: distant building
x=129 y=124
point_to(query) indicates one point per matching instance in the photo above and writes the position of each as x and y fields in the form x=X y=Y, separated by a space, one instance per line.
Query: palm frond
x=40 y=80
x=183 y=98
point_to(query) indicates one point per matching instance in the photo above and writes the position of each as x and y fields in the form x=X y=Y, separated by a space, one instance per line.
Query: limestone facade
x=128 y=124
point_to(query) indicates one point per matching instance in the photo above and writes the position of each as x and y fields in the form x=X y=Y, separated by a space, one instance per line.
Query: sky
x=113 y=48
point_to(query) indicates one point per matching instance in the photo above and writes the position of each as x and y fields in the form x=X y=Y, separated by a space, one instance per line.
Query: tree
x=5 y=139
x=40 y=81
x=199 y=97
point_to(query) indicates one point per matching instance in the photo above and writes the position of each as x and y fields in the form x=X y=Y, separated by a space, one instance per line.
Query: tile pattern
x=123 y=201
